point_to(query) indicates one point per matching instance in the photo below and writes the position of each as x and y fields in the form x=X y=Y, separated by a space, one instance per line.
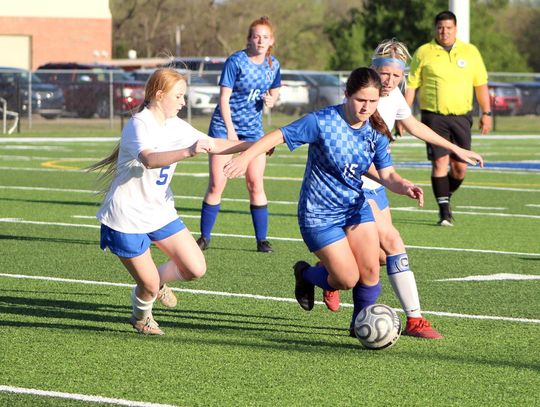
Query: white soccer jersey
x=140 y=199
x=391 y=108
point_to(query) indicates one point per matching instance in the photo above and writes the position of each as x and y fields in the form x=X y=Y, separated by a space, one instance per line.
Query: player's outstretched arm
x=395 y=183
x=424 y=133
x=158 y=159
x=238 y=165
x=224 y=146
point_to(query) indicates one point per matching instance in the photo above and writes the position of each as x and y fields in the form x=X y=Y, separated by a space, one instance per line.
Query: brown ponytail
x=378 y=124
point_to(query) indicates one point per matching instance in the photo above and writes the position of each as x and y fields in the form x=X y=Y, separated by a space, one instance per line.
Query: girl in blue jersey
x=138 y=208
x=336 y=222
x=389 y=60
x=249 y=81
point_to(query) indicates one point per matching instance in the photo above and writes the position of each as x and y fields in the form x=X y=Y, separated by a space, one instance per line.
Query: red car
x=89 y=89
x=505 y=98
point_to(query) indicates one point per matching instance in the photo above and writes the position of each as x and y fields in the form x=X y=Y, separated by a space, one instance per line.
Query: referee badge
x=461 y=63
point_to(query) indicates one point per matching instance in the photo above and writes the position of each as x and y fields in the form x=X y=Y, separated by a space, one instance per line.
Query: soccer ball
x=377 y=326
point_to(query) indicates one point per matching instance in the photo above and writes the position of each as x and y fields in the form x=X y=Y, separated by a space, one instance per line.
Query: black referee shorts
x=454 y=128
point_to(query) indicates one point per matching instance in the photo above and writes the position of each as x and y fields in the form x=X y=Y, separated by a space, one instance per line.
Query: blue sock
x=209 y=215
x=259 y=216
x=318 y=275
x=364 y=295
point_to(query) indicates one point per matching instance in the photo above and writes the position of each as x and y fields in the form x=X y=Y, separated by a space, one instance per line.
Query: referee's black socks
x=453 y=184
x=441 y=190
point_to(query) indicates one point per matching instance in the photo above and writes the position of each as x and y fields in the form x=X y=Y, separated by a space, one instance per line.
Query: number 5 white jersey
x=140 y=200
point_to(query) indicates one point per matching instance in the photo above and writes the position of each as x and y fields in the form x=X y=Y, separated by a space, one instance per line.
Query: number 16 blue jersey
x=249 y=82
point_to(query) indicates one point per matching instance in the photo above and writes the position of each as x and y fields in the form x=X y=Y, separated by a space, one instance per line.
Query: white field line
x=181 y=215
x=260 y=297
x=507 y=215
x=287 y=239
x=494 y=277
x=199 y=198
x=494 y=170
x=483 y=208
x=81 y=397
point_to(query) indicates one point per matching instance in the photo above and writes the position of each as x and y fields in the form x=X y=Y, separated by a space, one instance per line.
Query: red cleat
x=421 y=328
x=331 y=299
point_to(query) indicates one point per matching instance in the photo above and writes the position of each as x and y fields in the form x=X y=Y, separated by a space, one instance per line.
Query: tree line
x=321 y=34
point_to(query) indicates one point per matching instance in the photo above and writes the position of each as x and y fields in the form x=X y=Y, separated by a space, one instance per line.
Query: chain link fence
x=100 y=100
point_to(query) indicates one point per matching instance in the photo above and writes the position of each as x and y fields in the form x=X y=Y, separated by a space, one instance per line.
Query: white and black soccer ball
x=377 y=326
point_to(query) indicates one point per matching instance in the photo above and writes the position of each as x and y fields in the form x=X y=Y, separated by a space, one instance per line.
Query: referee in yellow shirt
x=447 y=70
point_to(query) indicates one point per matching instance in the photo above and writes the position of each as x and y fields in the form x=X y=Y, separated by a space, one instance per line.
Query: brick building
x=34 y=32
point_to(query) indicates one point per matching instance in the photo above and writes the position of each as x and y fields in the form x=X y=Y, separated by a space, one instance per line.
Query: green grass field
x=237 y=337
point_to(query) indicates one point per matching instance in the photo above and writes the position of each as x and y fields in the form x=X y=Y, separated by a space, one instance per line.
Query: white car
x=293 y=94
x=203 y=93
x=325 y=89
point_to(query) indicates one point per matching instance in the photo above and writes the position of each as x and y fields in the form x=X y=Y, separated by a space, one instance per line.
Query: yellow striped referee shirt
x=447 y=78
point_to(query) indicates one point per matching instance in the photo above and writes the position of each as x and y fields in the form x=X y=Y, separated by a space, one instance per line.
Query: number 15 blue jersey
x=338 y=155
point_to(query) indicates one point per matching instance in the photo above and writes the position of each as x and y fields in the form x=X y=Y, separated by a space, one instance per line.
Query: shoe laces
x=150 y=324
x=418 y=323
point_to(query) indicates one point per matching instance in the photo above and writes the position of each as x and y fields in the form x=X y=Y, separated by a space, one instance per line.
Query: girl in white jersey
x=138 y=208
x=389 y=61
x=335 y=220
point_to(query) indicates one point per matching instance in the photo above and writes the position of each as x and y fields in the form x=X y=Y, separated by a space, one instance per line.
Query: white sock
x=402 y=280
x=141 y=309
x=169 y=272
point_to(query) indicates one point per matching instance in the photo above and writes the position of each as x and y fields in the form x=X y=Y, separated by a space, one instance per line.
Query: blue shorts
x=134 y=244
x=222 y=134
x=378 y=195
x=317 y=238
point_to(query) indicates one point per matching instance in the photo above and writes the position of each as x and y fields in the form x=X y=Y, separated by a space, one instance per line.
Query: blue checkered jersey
x=338 y=155
x=249 y=82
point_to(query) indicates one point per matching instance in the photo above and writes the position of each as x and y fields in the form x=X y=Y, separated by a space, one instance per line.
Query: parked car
x=47 y=100
x=530 y=97
x=293 y=94
x=202 y=95
x=87 y=88
x=505 y=98
x=324 y=89
x=210 y=67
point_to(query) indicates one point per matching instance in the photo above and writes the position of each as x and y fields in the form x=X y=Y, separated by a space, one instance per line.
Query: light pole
x=178 y=38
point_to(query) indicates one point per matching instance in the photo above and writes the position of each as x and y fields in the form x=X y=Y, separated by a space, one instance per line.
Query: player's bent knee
x=345 y=282
x=195 y=272
x=391 y=241
x=148 y=289
x=369 y=275
x=255 y=188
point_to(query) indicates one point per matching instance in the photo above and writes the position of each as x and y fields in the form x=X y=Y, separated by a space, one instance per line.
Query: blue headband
x=379 y=62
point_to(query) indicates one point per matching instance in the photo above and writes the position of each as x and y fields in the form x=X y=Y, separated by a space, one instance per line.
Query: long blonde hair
x=264 y=20
x=162 y=79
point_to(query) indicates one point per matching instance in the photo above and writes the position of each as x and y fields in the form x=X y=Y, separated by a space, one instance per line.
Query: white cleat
x=445 y=222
